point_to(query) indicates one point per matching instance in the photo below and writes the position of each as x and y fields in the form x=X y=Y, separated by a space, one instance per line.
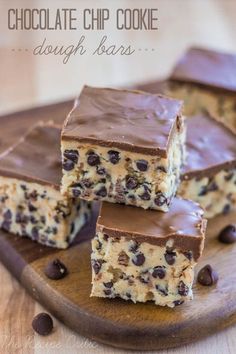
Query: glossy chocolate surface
x=211 y=147
x=130 y=120
x=183 y=224
x=207 y=67
x=36 y=158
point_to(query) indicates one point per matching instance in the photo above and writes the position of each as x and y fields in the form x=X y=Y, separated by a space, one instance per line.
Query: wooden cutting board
x=116 y=322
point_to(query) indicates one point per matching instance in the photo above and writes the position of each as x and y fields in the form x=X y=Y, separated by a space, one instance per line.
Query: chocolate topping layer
x=183 y=224
x=207 y=67
x=36 y=158
x=130 y=120
x=211 y=147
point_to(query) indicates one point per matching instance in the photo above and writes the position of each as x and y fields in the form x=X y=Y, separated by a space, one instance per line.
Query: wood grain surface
x=28 y=81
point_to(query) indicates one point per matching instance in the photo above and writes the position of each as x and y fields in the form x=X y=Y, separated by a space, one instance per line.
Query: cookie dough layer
x=198 y=99
x=152 y=259
x=123 y=147
x=216 y=194
x=40 y=212
x=122 y=177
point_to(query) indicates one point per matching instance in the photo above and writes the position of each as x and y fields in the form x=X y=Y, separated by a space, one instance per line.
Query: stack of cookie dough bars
x=143 y=255
x=124 y=147
x=128 y=147
x=30 y=200
x=209 y=176
x=206 y=80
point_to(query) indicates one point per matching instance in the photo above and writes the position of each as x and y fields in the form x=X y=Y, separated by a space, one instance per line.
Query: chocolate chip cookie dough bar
x=30 y=200
x=209 y=176
x=124 y=147
x=206 y=80
x=152 y=258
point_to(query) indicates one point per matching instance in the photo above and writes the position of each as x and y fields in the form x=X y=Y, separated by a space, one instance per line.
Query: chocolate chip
x=145 y=196
x=162 y=169
x=226 y=209
x=107 y=292
x=188 y=255
x=93 y=159
x=68 y=165
x=105 y=237
x=6 y=225
x=131 y=182
x=142 y=165
x=229 y=176
x=160 y=199
x=55 y=270
x=35 y=232
x=76 y=192
x=114 y=156
x=144 y=277
x=207 y=276
x=158 y=272
x=71 y=155
x=183 y=289
x=102 y=192
x=170 y=257
x=101 y=171
x=123 y=259
x=228 y=234
x=134 y=246
x=178 y=302
x=108 y=284
x=138 y=259
x=96 y=264
x=163 y=291
x=42 y=324
x=7 y=215
x=32 y=208
x=203 y=191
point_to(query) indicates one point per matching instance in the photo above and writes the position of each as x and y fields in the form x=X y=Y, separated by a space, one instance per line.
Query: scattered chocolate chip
x=35 y=232
x=105 y=237
x=188 y=255
x=23 y=187
x=96 y=264
x=114 y=156
x=178 y=302
x=158 y=272
x=72 y=227
x=6 y=225
x=207 y=276
x=170 y=257
x=107 y=292
x=134 y=246
x=229 y=176
x=162 y=169
x=68 y=165
x=123 y=259
x=203 y=191
x=93 y=159
x=102 y=192
x=42 y=324
x=138 y=259
x=142 y=165
x=7 y=215
x=32 y=208
x=161 y=290
x=76 y=192
x=145 y=196
x=212 y=187
x=128 y=295
x=108 y=284
x=55 y=270
x=101 y=170
x=71 y=155
x=131 y=182
x=183 y=289
x=228 y=234
x=226 y=209
x=160 y=199
x=144 y=277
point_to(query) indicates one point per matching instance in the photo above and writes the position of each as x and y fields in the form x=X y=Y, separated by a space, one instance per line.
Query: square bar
x=143 y=255
x=124 y=147
x=209 y=176
x=30 y=200
x=206 y=80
